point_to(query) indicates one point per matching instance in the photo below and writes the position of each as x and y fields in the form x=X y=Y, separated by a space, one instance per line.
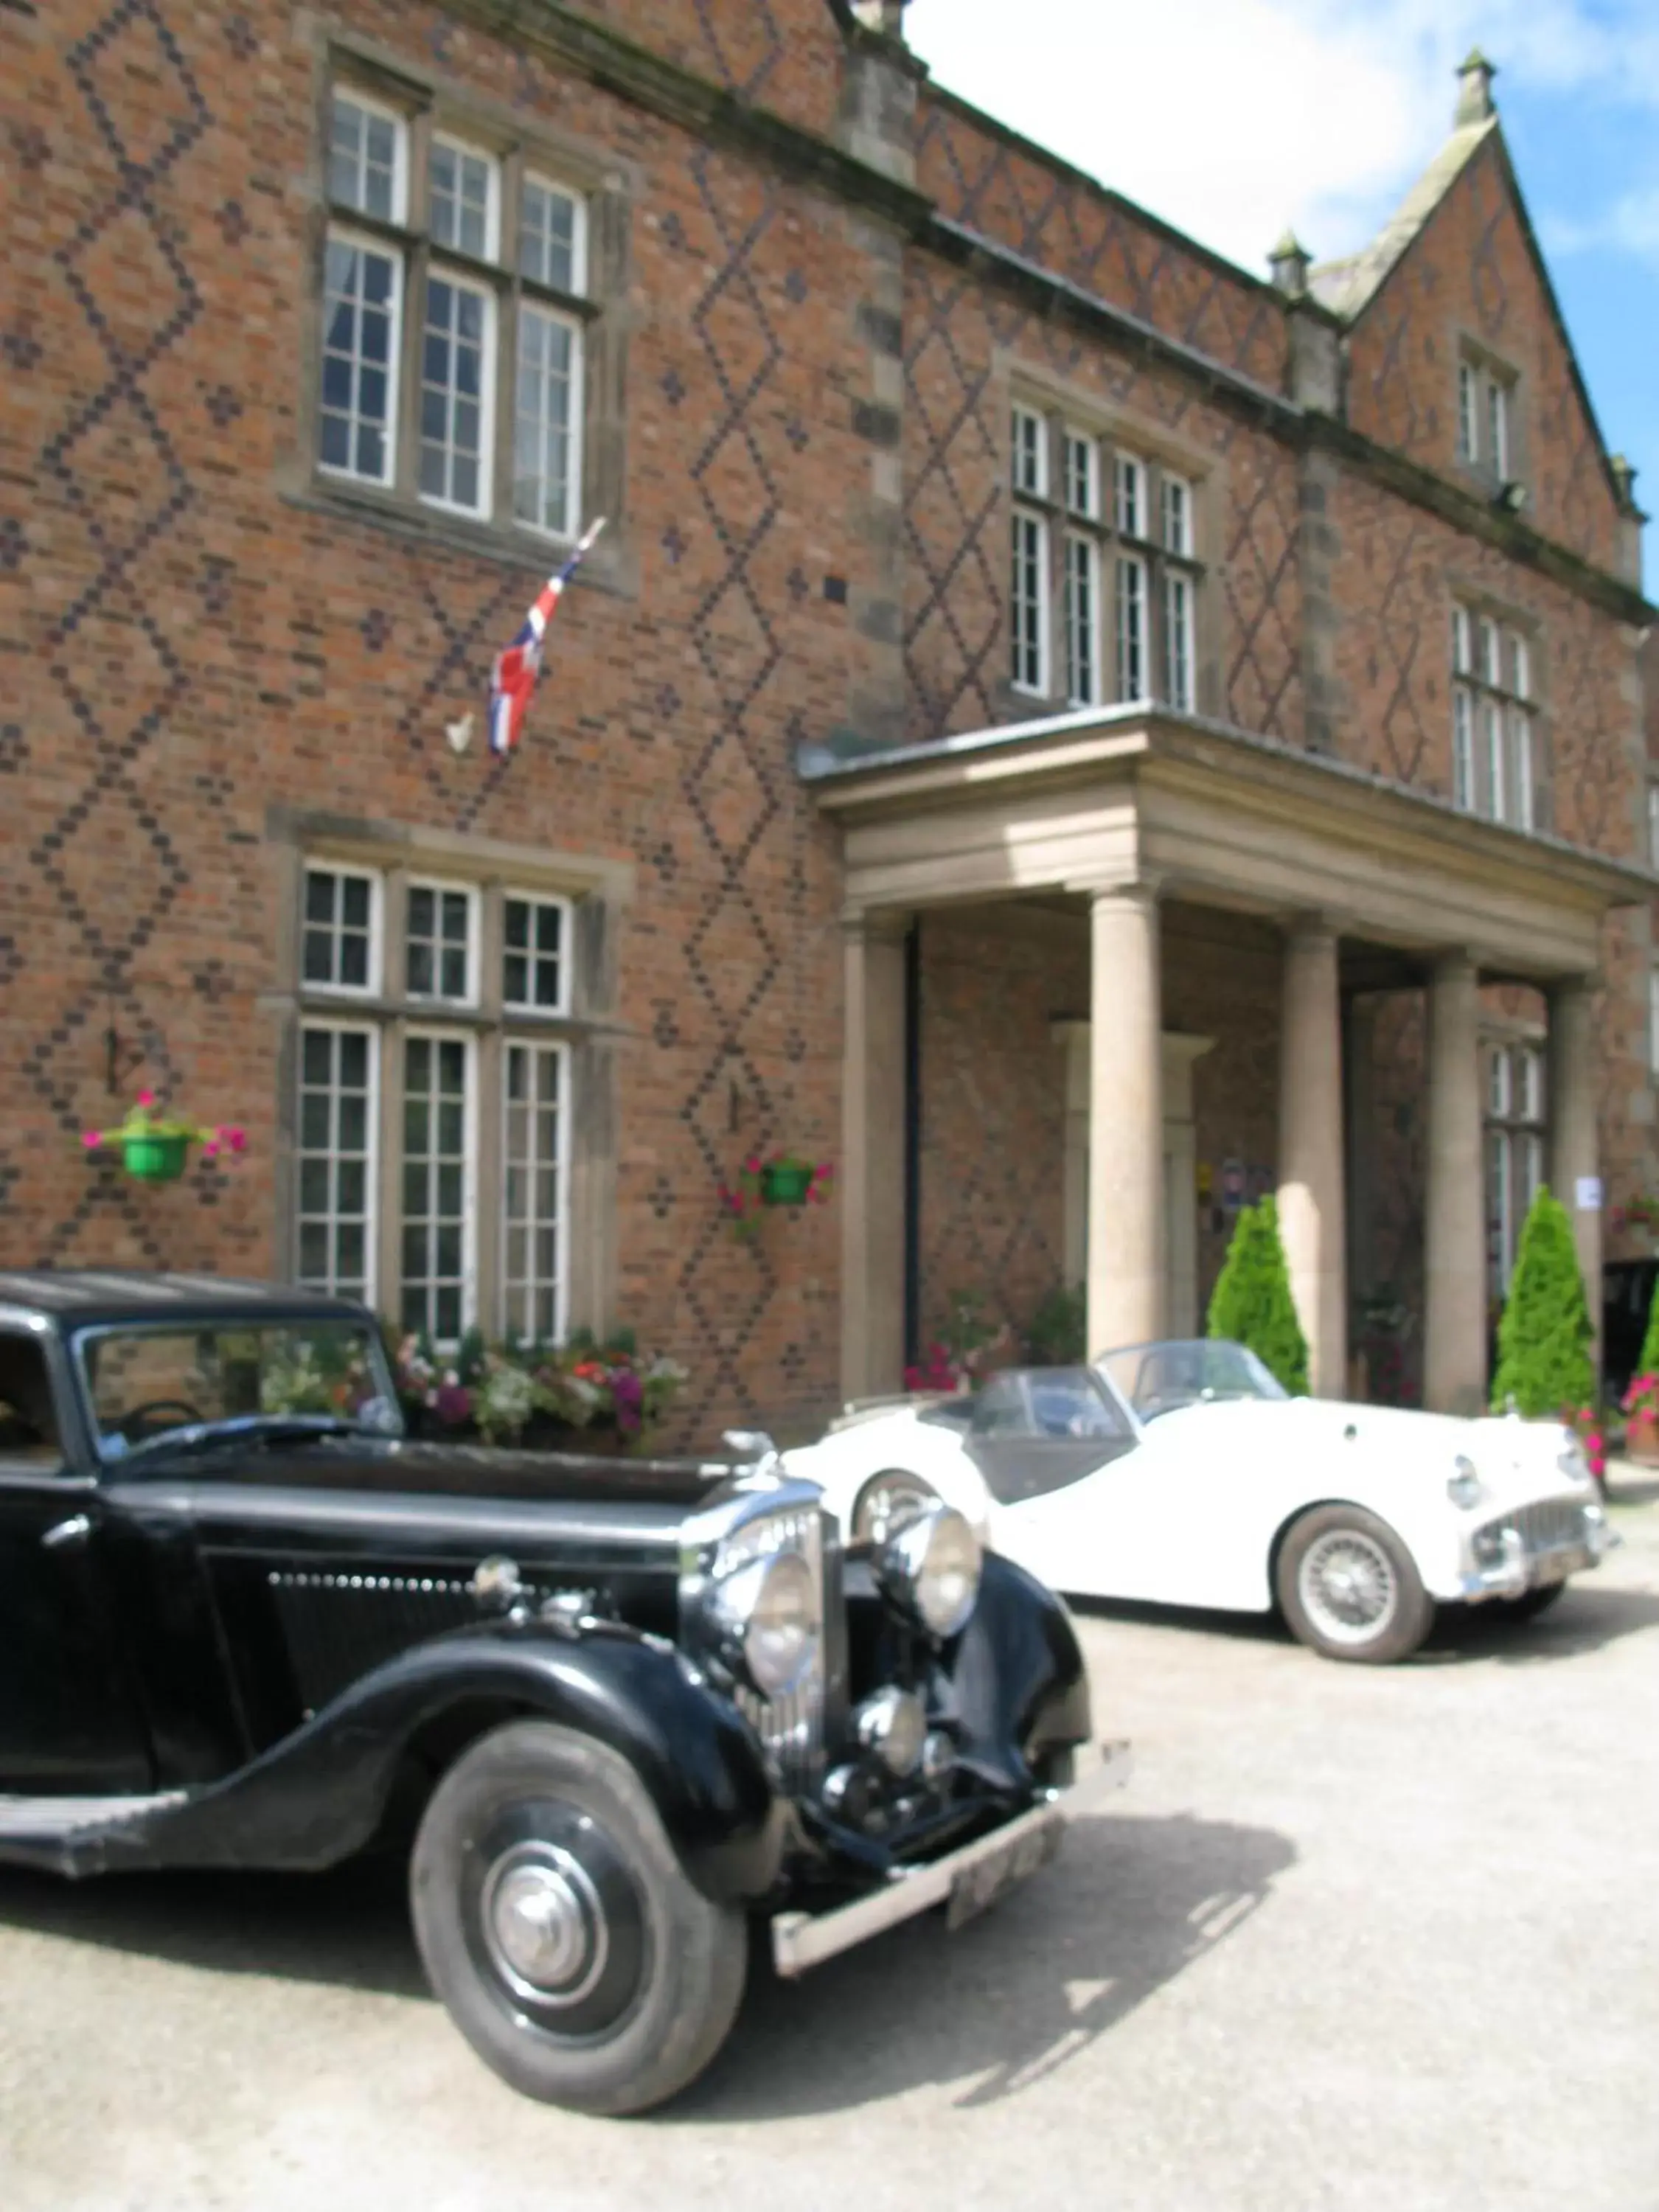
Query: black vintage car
x=614 y=1710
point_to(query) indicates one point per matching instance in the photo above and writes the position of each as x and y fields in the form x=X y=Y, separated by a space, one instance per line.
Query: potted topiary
x=1252 y=1302
x=1545 y=1370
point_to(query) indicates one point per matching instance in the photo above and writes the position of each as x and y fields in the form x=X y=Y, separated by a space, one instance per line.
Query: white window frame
x=518 y=1010
x=1468 y=414
x=1129 y=515
x=1030 y=619
x=539 y=1047
x=339 y=1026
x=437 y=1034
x=1653 y=1020
x=353 y=96
x=1180 y=687
x=1027 y=444
x=343 y=870
x=1462 y=748
x=360 y=242
x=1653 y=825
x=1138 y=647
x=1176 y=495
x=1078 y=447
x=537 y=180
x=1497 y=427
x=442 y=887
x=492 y=210
x=571 y=526
x=1082 y=681
x=1492 y=751
x=486 y=456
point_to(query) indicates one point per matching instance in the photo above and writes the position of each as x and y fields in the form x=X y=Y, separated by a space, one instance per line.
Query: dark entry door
x=69 y=1722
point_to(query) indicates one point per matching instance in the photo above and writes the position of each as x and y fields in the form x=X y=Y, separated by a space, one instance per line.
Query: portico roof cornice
x=1219 y=813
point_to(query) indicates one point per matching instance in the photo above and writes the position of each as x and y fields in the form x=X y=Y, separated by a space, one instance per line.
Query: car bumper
x=1531 y=1559
x=966 y=1880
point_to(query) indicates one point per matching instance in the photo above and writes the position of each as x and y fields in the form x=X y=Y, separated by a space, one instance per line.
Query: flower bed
x=580 y=1396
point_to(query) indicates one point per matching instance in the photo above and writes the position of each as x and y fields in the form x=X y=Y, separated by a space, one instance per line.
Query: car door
x=70 y=1724
x=1062 y=1458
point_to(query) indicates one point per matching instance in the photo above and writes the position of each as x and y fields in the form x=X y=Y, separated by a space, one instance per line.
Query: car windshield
x=1158 y=1378
x=148 y=1385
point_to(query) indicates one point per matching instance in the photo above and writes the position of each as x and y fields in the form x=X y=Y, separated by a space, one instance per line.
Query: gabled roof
x=1347 y=287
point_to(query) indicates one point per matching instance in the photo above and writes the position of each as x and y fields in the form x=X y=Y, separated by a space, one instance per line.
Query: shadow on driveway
x=1589 y=1616
x=1005 y=2002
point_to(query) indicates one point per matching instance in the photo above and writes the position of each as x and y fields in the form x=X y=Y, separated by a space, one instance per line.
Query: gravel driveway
x=1350 y=1939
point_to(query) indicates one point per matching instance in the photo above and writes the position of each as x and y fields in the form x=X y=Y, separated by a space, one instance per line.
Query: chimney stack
x=1289 y=264
x=1475 y=101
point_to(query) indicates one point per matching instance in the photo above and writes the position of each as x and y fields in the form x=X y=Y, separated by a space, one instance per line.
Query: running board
x=68 y=1835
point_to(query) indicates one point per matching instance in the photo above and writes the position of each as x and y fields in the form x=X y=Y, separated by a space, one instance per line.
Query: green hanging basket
x=155 y=1158
x=785 y=1183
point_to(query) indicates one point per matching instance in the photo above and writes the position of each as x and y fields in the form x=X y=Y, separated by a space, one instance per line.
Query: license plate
x=991 y=1877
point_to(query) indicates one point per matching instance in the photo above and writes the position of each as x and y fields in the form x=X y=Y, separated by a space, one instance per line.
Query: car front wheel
x=1350 y=1589
x=559 y=1931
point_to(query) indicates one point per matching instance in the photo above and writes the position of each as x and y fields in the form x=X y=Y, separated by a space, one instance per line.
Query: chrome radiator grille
x=792 y=1728
x=1553 y=1524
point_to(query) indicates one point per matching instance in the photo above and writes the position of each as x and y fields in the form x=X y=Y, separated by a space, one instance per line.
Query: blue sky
x=1231 y=117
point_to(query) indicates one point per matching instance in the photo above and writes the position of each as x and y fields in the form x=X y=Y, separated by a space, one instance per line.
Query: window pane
x=1468 y=445
x=532 y=1231
x=1130 y=477
x=1653 y=825
x=547 y=235
x=1178 y=641
x=1177 y=516
x=454 y=368
x=1491 y=728
x=1462 y=751
x=547 y=421
x=1082 y=622
x=365 y=159
x=1030 y=453
x=1488 y=637
x=440 y=939
x=437 y=1103
x=1028 y=603
x=1497 y=1085
x=336 y=1176
x=533 y=977
x=1462 y=659
x=462 y=189
x=360 y=308
x=338 y=948
x=1130 y=629
x=1521 y=768
x=1520 y=669
x=1082 y=474
x=1497 y=428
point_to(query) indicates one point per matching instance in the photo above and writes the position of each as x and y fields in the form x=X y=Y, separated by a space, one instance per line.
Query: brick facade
x=805 y=415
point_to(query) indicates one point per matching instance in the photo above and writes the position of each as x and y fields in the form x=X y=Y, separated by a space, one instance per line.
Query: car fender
x=843 y=1461
x=319 y=1794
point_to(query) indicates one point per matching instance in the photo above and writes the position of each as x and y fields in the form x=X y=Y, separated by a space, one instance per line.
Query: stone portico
x=1172 y=854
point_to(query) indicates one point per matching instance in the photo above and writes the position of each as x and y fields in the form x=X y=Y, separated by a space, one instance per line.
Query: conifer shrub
x=1252 y=1302
x=1544 y=1339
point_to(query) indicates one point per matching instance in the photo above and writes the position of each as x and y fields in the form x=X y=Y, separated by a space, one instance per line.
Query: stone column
x=1454 y=1241
x=1310 y=1196
x=1574 y=1152
x=1127 y=1255
x=872 y=1178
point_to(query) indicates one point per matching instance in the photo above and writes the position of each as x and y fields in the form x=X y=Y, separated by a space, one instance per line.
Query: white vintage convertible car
x=1181 y=1473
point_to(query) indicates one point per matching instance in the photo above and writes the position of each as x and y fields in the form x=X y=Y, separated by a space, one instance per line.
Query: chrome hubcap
x=545 y=1925
x=1348 y=1587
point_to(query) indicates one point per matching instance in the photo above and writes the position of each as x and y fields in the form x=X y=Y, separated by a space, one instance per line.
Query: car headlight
x=887 y=1502
x=1463 y=1484
x=767 y=1612
x=931 y=1570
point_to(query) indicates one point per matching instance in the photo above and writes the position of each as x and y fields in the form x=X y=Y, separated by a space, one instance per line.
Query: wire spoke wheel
x=1350 y=1587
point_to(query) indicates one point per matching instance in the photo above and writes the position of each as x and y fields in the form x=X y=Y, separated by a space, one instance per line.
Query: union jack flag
x=512 y=679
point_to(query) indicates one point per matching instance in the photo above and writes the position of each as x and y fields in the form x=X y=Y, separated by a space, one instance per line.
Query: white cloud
x=1231 y=117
